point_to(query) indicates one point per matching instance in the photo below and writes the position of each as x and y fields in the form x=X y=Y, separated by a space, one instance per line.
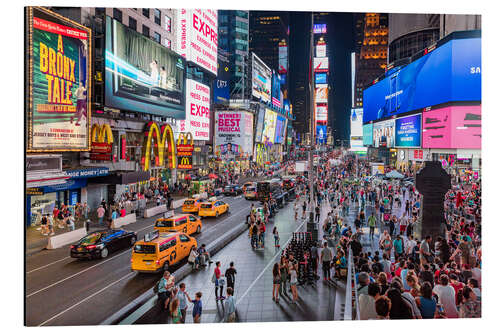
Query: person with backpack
x=398 y=247
x=230 y=276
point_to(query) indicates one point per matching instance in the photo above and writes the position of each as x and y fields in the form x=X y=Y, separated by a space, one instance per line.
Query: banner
x=384 y=134
x=322 y=112
x=261 y=79
x=320 y=64
x=233 y=132
x=408 y=131
x=280 y=127
x=283 y=58
x=320 y=79
x=320 y=134
x=141 y=74
x=221 y=84
x=356 y=122
x=197 y=38
x=276 y=90
x=197 y=110
x=59 y=83
x=321 y=95
x=269 y=126
x=259 y=126
x=368 y=134
x=321 y=50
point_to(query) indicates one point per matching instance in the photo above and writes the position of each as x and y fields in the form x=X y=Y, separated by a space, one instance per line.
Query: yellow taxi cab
x=213 y=208
x=158 y=251
x=186 y=223
x=192 y=205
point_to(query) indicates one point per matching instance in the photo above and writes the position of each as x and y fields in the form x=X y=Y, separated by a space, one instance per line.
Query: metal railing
x=351 y=311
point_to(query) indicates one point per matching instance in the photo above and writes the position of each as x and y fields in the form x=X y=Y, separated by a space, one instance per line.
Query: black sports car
x=99 y=244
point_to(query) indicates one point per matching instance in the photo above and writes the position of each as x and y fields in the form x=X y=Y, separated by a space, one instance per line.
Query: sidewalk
x=253 y=287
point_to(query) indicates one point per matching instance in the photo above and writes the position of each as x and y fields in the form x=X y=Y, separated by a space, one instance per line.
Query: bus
x=267 y=188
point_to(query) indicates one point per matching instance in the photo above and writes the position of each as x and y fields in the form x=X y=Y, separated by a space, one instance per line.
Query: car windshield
x=228 y=187
x=250 y=189
x=141 y=248
x=164 y=223
x=189 y=202
x=206 y=206
x=91 y=238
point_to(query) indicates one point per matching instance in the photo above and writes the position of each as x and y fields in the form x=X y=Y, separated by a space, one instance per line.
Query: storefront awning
x=122 y=178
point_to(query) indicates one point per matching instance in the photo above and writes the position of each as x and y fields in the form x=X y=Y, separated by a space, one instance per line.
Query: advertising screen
x=259 y=126
x=451 y=72
x=319 y=29
x=197 y=37
x=283 y=59
x=269 y=126
x=320 y=78
x=321 y=112
x=261 y=80
x=452 y=127
x=198 y=110
x=59 y=83
x=283 y=79
x=280 y=127
x=320 y=134
x=233 y=132
x=383 y=134
x=368 y=135
x=276 y=90
x=409 y=131
x=221 y=84
x=321 y=95
x=321 y=50
x=356 y=122
x=142 y=75
x=321 y=64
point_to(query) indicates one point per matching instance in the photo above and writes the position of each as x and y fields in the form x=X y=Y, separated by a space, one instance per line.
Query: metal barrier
x=351 y=293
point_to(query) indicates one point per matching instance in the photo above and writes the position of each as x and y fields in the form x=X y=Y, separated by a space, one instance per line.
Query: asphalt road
x=64 y=291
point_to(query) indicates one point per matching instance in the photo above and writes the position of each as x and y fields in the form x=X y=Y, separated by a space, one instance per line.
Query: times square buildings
x=112 y=92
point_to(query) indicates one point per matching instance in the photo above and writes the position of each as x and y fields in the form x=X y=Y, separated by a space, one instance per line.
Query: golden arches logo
x=101 y=132
x=185 y=163
x=186 y=137
x=165 y=141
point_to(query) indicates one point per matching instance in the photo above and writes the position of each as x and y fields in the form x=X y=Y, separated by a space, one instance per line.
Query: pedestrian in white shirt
x=446 y=295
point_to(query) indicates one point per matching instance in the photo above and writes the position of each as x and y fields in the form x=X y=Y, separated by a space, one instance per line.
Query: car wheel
x=132 y=240
x=165 y=266
x=104 y=253
x=198 y=230
x=216 y=214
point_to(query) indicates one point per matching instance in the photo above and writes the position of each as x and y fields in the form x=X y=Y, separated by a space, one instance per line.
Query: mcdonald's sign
x=163 y=142
x=185 y=162
x=185 y=148
x=101 y=142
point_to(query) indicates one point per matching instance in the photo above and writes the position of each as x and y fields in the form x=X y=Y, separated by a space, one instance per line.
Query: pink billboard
x=452 y=127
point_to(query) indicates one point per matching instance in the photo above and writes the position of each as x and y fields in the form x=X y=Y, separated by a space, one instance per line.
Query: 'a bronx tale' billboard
x=58 y=82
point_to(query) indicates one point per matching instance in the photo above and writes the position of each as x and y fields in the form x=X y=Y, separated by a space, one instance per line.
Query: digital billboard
x=356 y=122
x=321 y=95
x=368 y=135
x=59 y=83
x=384 y=134
x=321 y=50
x=321 y=64
x=320 y=134
x=451 y=72
x=233 y=128
x=320 y=78
x=198 y=110
x=283 y=58
x=319 y=28
x=261 y=79
x=259 y=125
x=321 y=112
x=269 y=126
x=275 y=92
x=409 y=131
x=452 y=127
x=280 y=127
x=221 y=83
x=142 y=75
x=197 y=37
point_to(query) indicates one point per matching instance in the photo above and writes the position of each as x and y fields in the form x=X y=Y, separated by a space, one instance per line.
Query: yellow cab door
x=191 y=225
x=184 y=245
x=168 y=251
x=181 y=224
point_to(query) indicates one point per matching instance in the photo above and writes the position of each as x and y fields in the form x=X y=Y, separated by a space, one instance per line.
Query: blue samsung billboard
x=320 y=78
x=451 y=72
x=409 y=131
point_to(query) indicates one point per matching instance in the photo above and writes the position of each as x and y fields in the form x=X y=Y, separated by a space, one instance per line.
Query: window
x=117 y=14
x=145 y=30
x=157 y=16
x=145 y=12
x=180 y=222
x=192 y=218
x=168 y=23
x=168 y=43
x=167 y=245
x=132 y=23
x=100 y=11
x=183 y=238
x=157 y=37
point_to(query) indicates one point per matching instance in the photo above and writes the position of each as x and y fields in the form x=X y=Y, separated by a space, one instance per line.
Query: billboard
x=321 y=95
x=275 y=92
x=261 y=79
x=197 y=110
x=269 y=126
x=452 y=127
x=142 y=75
x=197 y=37
x=321 y=50
x=319 y=29
x=320 y=78
x=409 y=131
x=280 y=128
x=259 y=125
x=233 y=132
x=384 y=134
x=59 y=83
x=356 y=122
x=321 y=112
x=451 y=72
x=221 y=83
x=321 y=64
x=320 y=134
x=283 y=59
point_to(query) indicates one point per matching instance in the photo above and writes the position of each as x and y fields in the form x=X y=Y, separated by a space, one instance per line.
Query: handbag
x=214 y=278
